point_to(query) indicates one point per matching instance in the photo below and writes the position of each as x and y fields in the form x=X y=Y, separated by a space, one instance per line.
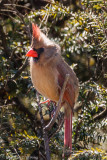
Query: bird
x=48 y=71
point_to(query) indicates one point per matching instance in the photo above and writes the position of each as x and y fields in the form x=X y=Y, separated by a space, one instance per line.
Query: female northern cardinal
x=48 y=71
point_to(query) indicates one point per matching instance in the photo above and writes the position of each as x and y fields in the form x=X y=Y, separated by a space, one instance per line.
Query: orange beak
x=32 y=53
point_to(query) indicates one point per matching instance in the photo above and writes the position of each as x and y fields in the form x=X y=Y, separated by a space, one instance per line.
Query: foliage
x=89 y=154
x=82 y=37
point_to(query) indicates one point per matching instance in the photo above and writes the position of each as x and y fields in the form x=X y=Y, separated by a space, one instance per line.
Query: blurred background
x=80 y=28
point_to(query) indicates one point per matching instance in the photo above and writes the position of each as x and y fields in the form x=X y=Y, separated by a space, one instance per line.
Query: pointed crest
x=36 y=31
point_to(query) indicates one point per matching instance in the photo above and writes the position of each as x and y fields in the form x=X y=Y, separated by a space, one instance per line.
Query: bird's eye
x=39 y=50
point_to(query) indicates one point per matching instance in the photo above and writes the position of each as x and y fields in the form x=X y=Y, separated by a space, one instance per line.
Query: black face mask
x=39 y=51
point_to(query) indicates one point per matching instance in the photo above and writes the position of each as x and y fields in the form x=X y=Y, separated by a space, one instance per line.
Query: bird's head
x=39 y=42
x=36 y=45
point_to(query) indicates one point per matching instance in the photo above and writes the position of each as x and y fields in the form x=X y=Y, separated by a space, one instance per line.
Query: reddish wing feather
x=69 y=95
x=36 y=31
x=69 y=98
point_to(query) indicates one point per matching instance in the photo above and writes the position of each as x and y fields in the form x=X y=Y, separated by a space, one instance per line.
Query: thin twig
x=22 y=19
x=77 y=129
x=24 y=7
x=4 y=41
x=100 y=115
x=21 y=16
x=21 y=69
x=52 y=121
x=7 y=10
x=59 y=128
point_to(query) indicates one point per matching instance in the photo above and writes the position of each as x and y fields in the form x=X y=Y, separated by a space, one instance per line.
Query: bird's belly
x=44 y=82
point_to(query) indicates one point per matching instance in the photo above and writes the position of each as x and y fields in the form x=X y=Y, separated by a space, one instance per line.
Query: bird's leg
x=54 y=108
x=47 y=101
x=55 y=115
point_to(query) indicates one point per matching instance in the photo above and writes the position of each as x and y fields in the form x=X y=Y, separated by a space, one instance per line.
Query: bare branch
x=45 y=134
x=4 y=41
x=60 y=125
x=100 y=115
x=12 y=8
x=77 y=129
x=21 y=69
x=17 y=5
x=22 y=19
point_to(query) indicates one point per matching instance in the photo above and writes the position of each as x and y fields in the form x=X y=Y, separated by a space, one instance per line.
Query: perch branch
x=45 y=135
x=52 y=121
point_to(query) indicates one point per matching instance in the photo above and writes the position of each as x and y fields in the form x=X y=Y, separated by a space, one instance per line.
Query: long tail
x=68 y=131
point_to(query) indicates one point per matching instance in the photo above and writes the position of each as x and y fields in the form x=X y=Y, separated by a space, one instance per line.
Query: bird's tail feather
x=68 y=131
